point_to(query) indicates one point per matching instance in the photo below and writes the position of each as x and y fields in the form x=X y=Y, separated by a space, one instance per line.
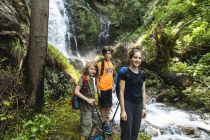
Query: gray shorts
x=89 y=120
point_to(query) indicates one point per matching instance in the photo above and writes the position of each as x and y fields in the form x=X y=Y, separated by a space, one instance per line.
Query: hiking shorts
x=89 y=120
x=106 y=99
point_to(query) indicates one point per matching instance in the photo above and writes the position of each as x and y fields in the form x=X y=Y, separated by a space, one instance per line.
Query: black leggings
x=130 y=128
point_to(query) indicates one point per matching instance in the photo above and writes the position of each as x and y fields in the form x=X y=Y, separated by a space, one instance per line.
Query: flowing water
x=164 y=122
x=61 y=32
x=103 y=37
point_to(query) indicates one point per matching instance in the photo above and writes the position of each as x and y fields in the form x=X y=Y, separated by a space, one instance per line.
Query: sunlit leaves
x=57 y=60
x=17 y=51
x=175 y=65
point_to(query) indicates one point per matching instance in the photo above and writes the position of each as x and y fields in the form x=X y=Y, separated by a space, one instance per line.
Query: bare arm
x=97 y=85
x=123 y=114
x=144 y=95
x=144 y=100
x=80 y=95
x=98 y=79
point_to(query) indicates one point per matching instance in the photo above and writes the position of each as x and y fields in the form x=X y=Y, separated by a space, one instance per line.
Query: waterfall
x=61 y=30
x=61 y=33
x=164 y=122
x=103 y=37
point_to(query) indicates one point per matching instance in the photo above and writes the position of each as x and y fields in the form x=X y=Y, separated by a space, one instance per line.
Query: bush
x=35 y=129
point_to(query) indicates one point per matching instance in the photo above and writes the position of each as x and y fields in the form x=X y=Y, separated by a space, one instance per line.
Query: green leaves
x=7 y=103
x=17 y=51
x=175 y=65
x=36 y=128
x=56 y=59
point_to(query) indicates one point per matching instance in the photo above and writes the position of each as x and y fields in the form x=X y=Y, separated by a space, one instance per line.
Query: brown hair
x=106 y=49
x=132 y=52
x=88 y=65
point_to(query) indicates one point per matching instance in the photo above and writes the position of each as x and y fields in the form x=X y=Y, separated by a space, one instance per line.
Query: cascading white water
x=168 y=123
x=104 y=32
x=60 y=33
x=176 y=124
x=103 y=37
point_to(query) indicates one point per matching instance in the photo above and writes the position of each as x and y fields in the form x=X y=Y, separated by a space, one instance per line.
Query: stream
x=165 y=122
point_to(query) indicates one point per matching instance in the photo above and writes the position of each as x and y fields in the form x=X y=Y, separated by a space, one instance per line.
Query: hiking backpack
x=102 y=67
x=74 y=98
x=117 y=82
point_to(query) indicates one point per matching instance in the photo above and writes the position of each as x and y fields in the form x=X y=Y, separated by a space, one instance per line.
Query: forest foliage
x=174 y=36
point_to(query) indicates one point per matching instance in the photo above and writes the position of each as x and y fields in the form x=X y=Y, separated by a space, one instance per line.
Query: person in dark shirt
x=132 y=97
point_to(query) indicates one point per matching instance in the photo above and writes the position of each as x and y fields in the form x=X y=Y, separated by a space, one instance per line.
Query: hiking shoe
x=106 y=128
x=91 y=138
x=98 y=137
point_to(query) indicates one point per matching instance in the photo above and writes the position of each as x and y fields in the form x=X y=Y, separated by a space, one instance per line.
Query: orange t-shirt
x=106 y=80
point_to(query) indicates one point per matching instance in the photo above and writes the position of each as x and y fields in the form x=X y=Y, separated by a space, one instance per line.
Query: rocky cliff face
x=13 y=13
x=14 y=24
x=8 y=17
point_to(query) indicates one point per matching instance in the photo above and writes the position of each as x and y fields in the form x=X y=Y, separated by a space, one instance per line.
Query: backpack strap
x=84 y=80
x=102 y=68
x=84 y=87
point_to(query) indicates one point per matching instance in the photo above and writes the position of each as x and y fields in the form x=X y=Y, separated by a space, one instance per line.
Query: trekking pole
x=118 y=104
x=100 y=120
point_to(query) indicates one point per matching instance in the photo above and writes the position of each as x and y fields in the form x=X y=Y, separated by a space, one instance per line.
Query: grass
x=66 y=122
x=56 y=59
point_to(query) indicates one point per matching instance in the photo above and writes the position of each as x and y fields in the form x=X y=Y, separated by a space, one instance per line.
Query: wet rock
x=187 y=130
x=8 y=17
x=204 y=129
x=120 y=55
x=171 y=130
x=150 y=130
x=151 y=100
x=206 y=116
x=177 y=79
x=194 y=117
x=77 y=63
x=204 y=136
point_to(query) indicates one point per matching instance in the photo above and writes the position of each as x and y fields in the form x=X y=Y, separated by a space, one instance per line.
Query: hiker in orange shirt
x=105 y=84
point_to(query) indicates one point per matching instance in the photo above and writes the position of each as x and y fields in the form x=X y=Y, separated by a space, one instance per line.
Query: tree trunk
x=37 y=52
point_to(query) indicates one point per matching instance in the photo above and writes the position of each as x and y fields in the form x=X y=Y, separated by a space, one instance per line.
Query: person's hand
x=144 y=113
x=113 y=90
x=91 y=101
x=123 y=116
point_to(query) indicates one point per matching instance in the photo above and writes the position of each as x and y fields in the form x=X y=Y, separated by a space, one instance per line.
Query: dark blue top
x=133 y=86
